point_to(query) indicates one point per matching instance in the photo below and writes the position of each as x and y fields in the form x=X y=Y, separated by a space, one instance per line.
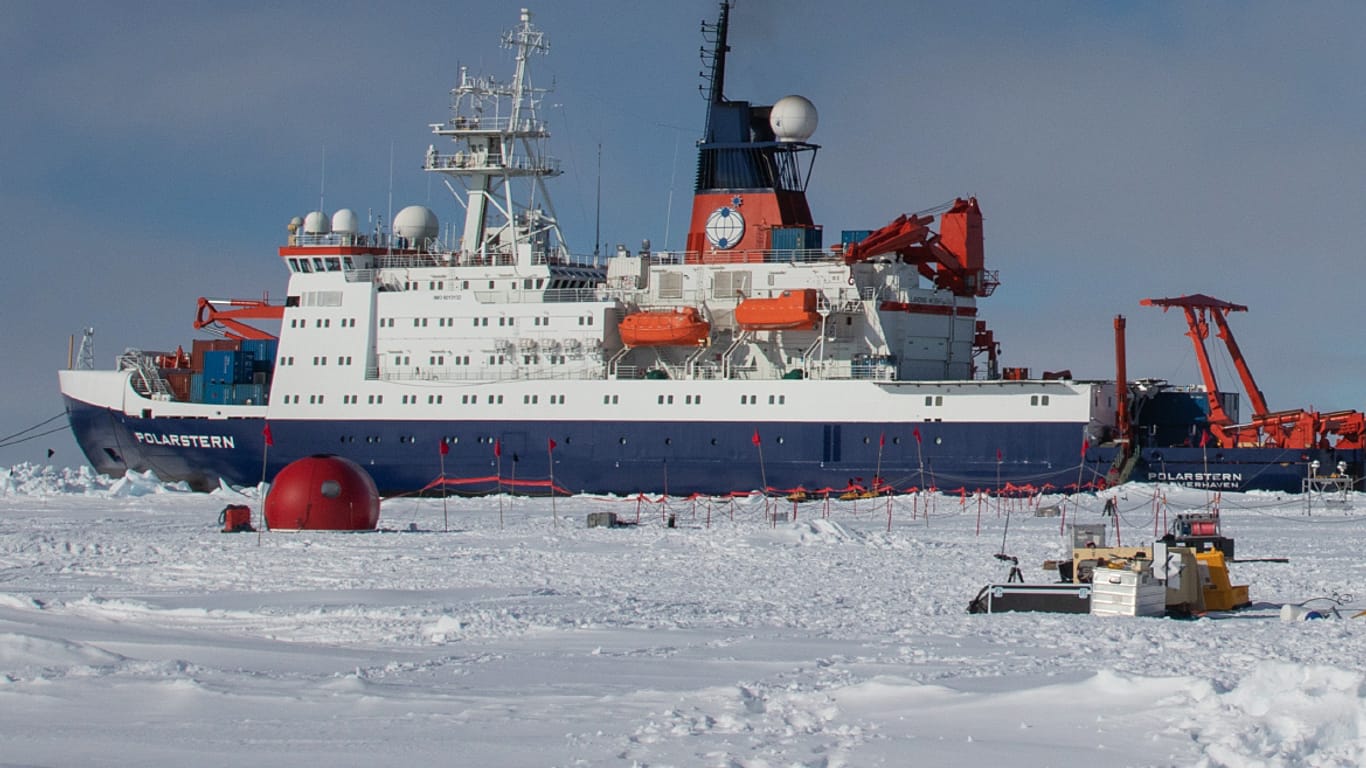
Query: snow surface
x=133 y=633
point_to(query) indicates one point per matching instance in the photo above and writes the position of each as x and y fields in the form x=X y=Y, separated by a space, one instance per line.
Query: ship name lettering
x=1224 y=480
x=186 y=441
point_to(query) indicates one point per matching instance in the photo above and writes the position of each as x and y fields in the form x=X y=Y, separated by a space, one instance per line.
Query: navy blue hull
x=1269 y=469
x=679 y=458
x=623 y=458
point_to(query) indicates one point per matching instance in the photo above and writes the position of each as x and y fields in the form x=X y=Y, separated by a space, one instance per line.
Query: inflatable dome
x=322 y=493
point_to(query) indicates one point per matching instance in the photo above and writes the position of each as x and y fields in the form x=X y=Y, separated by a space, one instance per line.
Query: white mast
x=500 y=140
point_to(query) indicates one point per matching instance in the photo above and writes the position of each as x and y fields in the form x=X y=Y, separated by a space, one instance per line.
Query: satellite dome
x=417 y=224
x=346 y=222
x=793 y=118
x=322 y=492
x=317 y=223
x=295 y=224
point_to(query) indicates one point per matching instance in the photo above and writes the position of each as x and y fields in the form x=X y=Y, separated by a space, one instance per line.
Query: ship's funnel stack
x=752 y=170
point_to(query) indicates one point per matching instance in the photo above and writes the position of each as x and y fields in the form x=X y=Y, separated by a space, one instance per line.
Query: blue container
x=218 y=393
x=248 y=394
x=263 y=350
x=197 y=388
x=851 y=236
x=796 y=238
x=228 y=366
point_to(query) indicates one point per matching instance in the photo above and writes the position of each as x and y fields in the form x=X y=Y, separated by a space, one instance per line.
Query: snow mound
x=135 y=484
x=40 y=652
x=815 y=531
x=43 y=480
x=1286 y=714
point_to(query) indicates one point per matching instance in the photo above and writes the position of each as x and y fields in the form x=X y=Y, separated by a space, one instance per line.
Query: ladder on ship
x=146 y=378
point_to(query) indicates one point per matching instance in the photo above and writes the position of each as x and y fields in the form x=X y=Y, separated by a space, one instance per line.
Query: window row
x=754 y=399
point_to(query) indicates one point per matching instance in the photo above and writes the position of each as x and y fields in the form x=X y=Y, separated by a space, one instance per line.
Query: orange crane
x=228 y=322
x=951 y=258
x=1294 y=429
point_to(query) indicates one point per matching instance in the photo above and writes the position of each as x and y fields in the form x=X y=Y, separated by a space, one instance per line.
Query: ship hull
x=675 y=457
x=1242 y=469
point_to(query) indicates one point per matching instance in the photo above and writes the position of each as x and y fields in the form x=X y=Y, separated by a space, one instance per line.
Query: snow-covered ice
x=133 y=633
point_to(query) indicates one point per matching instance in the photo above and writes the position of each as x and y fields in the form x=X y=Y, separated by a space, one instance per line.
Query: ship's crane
x=1293 y=429
x=228 y=320
x=951 y=258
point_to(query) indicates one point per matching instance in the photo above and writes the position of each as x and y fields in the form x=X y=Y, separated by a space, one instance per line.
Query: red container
x=235 y=518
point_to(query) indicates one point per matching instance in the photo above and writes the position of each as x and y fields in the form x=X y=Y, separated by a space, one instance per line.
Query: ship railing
x=146 y=378
x=757 y=256
x=357 y=239
x=845 y=369
x=534 y=296
x=591 y=371
x=485 y=162
x=470 y=125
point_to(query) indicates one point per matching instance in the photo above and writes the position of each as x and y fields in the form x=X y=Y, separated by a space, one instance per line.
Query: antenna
x=322 y=184
x=597 y=225
x=390 y=240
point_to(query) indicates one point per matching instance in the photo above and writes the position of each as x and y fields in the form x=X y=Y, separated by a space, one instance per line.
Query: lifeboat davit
x=792 y=311
x=683 y=326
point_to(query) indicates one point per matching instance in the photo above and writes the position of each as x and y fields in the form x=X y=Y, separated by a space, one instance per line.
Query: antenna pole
x=597 y=225
x=322 y=183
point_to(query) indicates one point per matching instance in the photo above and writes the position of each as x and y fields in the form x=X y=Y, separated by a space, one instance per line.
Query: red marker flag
x=265 y=432
x=498 y=448
x=445 y=447
x=998 y=455
x=755 y=439
x=1204 y=438
x=882 y=440
x=1085 y=446
x=550 y=443
x=916 y=432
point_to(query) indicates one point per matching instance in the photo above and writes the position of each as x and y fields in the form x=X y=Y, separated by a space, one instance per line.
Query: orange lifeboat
x=792 y=311
x=663 y=328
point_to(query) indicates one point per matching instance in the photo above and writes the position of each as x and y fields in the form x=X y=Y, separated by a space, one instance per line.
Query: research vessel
x=770 y=353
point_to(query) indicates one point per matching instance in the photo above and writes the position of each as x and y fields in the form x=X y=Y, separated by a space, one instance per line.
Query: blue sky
x=153 y=153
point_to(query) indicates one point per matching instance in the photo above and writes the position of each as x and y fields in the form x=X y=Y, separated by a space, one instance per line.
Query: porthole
x=939 y=441
x=713 y=441
x=668 y=441
x=621 y=440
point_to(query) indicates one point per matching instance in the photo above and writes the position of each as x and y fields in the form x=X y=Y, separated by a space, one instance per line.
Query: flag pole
x=498 y=463
x=267 y=440
x=877 y=470
x=550 y=456
x=919 y=456
x=445 y=510
x=763 y=473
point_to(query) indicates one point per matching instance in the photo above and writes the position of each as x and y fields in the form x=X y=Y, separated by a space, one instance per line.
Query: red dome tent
x=323 y=492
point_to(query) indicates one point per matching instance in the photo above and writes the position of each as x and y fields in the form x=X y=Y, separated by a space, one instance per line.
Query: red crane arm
x=1254 y=393
x=227 y=322
x=952 y=259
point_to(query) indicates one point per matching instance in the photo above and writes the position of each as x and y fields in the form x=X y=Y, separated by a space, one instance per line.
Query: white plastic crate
x=1127 y=593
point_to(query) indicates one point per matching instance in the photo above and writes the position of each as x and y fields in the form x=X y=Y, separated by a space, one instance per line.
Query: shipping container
x=178 y=380
x=199 y=346
x=228 y=366
x=796 y=238
x=850 y=236
x=264 y=351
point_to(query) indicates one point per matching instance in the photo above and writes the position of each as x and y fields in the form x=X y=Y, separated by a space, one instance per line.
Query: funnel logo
x=725 y=227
